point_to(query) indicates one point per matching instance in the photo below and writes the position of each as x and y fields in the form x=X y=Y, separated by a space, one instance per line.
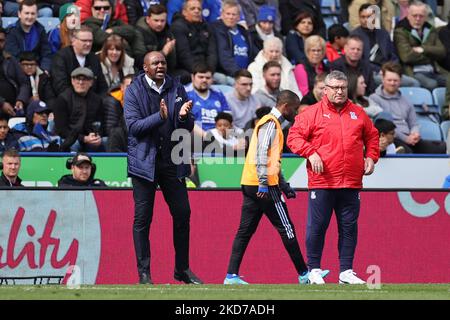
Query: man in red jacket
x=341 y=145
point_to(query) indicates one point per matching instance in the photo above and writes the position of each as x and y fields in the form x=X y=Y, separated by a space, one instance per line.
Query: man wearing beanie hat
x=251 y=8
x=264 y=28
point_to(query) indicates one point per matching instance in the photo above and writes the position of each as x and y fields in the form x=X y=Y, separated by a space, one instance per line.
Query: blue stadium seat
x=49 y=23
x=222 y=87
x=439 y=97
x=417 y=95
x=8 y=21
x=429 y=130
x=445 y=126
x=330 y=7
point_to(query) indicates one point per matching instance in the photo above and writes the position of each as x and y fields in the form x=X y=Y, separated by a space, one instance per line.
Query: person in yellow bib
x=262 y=183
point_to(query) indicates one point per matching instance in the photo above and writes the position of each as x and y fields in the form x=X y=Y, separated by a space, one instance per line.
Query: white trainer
x=349 y=277
x=315 y=276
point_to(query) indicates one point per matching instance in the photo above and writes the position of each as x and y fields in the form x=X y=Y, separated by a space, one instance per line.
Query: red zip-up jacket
x=342 y=140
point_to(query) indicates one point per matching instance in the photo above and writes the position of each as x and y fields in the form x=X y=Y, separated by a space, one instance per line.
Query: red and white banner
x=42 y=233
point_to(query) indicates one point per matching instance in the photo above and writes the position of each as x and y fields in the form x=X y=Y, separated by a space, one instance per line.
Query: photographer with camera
x=79 y=114
x=83 y=173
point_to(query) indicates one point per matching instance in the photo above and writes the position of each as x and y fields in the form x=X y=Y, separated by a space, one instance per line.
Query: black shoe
x=187 y=276
x=144 y=278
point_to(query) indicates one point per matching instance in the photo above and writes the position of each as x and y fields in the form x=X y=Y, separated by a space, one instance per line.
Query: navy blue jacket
x=143 y=124
x=15 y=44
x=225 y=51
x=383 y=39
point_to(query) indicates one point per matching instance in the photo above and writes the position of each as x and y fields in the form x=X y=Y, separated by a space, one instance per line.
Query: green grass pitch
x=221 y=292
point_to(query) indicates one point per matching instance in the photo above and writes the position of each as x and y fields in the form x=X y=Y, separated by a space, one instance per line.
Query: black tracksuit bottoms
x=276 y=210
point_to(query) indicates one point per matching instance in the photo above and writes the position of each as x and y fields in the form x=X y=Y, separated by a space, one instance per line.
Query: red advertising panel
x=403 y=234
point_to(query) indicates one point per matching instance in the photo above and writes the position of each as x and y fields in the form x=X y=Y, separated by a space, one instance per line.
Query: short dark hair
x=156 y=9
x=27 y=56
x=355 y=37
x=364 y=7
x=271 y=64
x=201 y=68
x=287 y=96
x=384 y=126
x=391 y=66
x=4 y=117
x=242 y=73
x=27 y=3
x=262 y=111
x=224 y=116
x=337 y=31
x=2 y=30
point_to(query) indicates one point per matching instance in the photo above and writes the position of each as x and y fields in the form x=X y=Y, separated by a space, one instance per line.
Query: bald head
x=155 y=66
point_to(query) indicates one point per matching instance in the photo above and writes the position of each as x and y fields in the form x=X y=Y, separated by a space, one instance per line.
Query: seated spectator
x=386 y=130
x=290 y=10
x=250 y=8
x=35 y=135
x=378 y=47
x=136 y=9
x=264 y=28
x=304 y=26
x=119 y=11
x=60 y=37
x=401 y=9
x=14 y=85
x=235 y=50
x=210 y=10
x=206 y=102
x=446 y=108
x=40 y=82
x=387 y=12
x=337 y=36
x=27 y=34
x=10 y=169
x=83 y=173
x=273 y=48
x=157 y=36
x=314 y=64
x=223 y=139
x=77 y=55
x=79 y=114
x=444 y=36
x=8 y=140
x=267 y=95
x=241 y=101
x=419 y=47
x=115 y=62
x=352 y=63
x=260 y=112
x=114 y=120
x=357 y=94
x=390 y=100
x=315 y=95
x=195 y=41
x=103 y=24
x=11 y=8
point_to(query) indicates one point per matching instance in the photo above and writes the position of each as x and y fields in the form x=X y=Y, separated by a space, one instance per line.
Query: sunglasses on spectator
x=98 y=8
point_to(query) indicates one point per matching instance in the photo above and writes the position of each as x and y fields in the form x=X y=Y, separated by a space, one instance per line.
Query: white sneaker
x=349 y=277
x=315 y=276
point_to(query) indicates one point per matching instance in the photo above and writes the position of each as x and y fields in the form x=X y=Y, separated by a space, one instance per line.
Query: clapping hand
x=163 y=109
x=185 y=108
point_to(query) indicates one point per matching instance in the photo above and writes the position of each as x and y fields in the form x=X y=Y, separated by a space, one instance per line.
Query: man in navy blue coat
x=155 y=106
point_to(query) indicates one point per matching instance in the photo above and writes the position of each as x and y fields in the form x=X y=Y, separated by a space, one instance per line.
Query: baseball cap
x=81 y=158
x=68 y=8
x=82 y=71
x=37 y=106
x=267 y=13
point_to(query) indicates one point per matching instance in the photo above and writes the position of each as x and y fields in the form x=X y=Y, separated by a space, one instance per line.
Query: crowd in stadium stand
x=62 y=84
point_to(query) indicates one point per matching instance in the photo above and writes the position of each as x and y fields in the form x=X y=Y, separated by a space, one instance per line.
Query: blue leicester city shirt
x=240 y=48
x=205 y=110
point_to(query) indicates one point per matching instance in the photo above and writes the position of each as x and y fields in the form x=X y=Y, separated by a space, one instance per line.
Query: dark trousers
x=276 y=210
x=423 y=146
x=175 y=195
x=321 y=203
